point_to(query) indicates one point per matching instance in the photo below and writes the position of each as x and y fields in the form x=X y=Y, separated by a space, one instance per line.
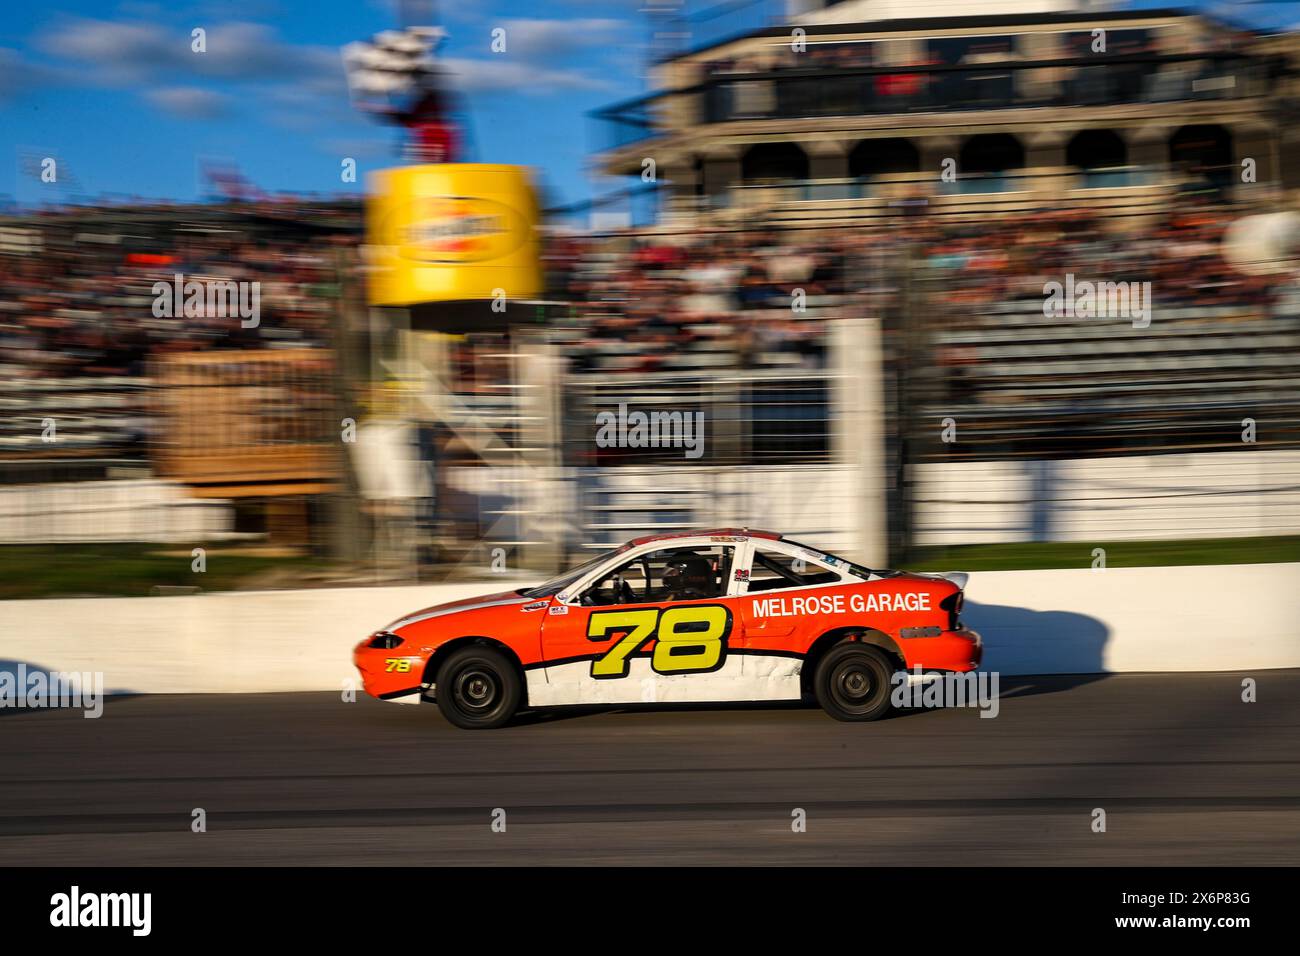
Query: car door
x=783 y=610
x=629 y=638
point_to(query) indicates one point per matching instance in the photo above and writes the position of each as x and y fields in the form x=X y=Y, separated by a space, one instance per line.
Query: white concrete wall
x=836 y=506
x=237 y=642
x=144 y=509
x=1213 y=494
x=1241 y=617
x=1151 y=497
x=1205 y=618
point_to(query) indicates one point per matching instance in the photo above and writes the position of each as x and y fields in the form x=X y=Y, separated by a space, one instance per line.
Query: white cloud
x=547 y=40
x=126 y=53
x=306 y=81
x=500 y=75
x=535 y=58
x=188 y=102
x=121 y=52
x=160 y=63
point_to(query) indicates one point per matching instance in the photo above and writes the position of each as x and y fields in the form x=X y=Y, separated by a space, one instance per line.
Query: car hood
x=457 y=607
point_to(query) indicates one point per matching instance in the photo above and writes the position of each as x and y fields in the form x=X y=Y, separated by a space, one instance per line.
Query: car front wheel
x=852 y=682
x=478 y=688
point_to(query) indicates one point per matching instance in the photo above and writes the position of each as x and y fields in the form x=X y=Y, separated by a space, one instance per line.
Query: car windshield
x=556 y=585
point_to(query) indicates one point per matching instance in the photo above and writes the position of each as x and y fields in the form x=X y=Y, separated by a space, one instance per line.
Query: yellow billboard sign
x=452 y=231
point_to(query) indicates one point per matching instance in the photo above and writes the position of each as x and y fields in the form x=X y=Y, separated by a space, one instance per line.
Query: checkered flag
x=392 y=64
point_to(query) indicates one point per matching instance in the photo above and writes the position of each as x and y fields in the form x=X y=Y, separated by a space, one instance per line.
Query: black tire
x=478 y=688
x=852 y=682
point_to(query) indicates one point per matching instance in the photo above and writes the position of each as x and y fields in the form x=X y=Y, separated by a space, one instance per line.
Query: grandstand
x=1025 y=108
x=82 y=349
x=1218 y=346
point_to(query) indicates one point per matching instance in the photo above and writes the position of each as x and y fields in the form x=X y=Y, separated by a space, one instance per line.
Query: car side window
x=671 y=574
x=774 y=570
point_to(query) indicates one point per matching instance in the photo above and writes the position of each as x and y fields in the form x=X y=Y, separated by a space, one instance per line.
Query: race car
x=700 y=616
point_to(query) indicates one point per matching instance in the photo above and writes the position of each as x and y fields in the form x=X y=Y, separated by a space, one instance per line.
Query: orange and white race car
x=700 y=616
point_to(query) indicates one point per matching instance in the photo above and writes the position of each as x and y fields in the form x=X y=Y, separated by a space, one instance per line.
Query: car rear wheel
x=478 y=688
x=852 y=682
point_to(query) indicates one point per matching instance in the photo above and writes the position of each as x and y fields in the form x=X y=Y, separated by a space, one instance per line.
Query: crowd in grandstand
x=730 y=298
x=1180 y=256
x=764 y=298
x=83 y=303
x=78 y=328
x=79 y=298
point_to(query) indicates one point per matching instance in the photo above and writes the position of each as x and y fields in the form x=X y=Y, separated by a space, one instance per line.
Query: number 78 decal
x=687 y=639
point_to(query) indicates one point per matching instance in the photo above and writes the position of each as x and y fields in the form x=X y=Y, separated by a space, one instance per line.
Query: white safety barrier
x=1201 y=618
x=132 y=509
x=224 y=642
x=1254 y=491
x=1214 y=618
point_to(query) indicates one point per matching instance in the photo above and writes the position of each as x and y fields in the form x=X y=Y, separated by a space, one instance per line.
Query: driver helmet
x=689 y=575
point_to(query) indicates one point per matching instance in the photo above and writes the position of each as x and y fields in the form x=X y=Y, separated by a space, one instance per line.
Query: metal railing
x=937 y=88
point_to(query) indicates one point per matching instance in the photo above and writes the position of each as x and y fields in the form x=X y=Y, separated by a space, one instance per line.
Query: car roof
x=706 y=533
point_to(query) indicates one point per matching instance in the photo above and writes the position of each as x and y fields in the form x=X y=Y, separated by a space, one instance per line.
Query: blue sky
x=112 y=90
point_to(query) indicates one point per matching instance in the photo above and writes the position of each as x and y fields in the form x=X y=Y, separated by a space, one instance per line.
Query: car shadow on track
x=551 y=715
x=1056 y=651
x=1018 y=640
x=1020 y=686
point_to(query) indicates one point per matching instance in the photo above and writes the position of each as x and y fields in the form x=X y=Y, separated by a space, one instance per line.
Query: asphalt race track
x=1186 y=772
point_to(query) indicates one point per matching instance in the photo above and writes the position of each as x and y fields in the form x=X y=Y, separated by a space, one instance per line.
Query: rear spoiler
x=958 y=578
